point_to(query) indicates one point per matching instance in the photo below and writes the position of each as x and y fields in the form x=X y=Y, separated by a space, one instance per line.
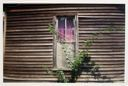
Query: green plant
x=51 y=29
x=76 y=63
x=61 y=76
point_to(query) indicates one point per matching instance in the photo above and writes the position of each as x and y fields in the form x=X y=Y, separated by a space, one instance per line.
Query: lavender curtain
x=61 y=28
x=66 y=29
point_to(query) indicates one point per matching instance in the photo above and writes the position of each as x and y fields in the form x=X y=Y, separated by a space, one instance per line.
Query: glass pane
x=61 y=28
x=70 y=30
x=65 y=43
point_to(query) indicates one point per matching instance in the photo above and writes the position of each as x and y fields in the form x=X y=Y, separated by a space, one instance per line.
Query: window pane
x=65 y=43
x=61 y=28
x=70 y=30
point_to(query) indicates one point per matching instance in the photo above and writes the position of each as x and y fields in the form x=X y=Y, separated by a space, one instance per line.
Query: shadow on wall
x=90 y=68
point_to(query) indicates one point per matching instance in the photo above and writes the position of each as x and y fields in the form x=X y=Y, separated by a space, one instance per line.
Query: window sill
x=64 y=69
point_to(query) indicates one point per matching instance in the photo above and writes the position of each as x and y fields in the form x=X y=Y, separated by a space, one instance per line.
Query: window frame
x=55 y=23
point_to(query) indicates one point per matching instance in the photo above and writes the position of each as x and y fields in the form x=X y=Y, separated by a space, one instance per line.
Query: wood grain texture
x=29 y=45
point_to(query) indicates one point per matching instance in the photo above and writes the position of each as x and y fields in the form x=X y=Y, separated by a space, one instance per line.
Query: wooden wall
x=29 y=45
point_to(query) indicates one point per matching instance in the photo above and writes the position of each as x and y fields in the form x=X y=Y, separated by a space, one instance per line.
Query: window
x=65 y=45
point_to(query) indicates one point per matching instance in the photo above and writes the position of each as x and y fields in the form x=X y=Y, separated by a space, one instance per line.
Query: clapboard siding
x=109 y=42
x=29 y=44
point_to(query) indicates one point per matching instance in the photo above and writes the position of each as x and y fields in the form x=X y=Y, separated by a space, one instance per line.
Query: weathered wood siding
x=29 y=45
